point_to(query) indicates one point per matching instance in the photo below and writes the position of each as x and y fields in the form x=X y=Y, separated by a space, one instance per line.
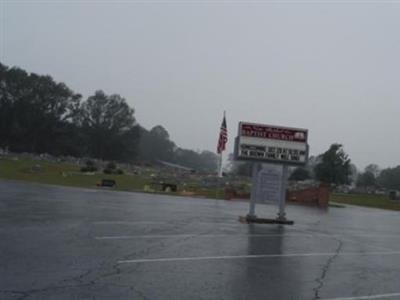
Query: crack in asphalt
x=79 y=279
x=321 y=280
x=118 y=271
x=163 y=244
x=140 y=293
x=23 y=295
x=28 y=293
x=153 y=248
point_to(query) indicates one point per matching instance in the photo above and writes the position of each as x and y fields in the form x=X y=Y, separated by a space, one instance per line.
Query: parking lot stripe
x=126 y=237
x=174 y=259
x=380 y=296
x=127 y=222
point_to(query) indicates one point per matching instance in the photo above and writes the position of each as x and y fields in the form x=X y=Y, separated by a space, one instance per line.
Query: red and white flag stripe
x=223 y=137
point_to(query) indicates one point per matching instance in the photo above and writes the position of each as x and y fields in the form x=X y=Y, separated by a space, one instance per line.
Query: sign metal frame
x=237 y=144
x=282 y=162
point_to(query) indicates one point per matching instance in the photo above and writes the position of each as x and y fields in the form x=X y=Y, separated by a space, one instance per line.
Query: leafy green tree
x=366 y=179
x=334 y=166
x=390 y=178
x=300 y=174
x=209 y=160
x=204 y=161
x=36 y=113
x=39 y=115
x=374 y=169
x=110 y=127
x=155 y=145
x=242 y=168
x=369 y=177
x=353 y=173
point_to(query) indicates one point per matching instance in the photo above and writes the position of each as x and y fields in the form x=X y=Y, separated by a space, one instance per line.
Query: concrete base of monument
x=255 y=220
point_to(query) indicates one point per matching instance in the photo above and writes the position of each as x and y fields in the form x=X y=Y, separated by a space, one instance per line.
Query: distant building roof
x=176 y=166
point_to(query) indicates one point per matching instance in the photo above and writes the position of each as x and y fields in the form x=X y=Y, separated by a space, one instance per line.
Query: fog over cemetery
x=45 y=121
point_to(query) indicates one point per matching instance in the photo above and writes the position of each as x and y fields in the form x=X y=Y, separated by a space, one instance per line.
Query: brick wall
x=315 y=196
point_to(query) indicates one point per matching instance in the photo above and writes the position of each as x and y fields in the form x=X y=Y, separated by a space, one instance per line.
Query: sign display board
x=268 y=143
x=268 y=184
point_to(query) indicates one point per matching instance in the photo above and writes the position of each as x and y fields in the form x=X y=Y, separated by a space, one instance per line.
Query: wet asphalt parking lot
x=70 y=243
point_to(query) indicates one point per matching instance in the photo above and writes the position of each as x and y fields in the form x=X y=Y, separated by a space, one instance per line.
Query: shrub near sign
x=269 y=143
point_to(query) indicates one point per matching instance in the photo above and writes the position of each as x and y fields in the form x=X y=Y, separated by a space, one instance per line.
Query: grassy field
x=374 y=201
x=62 y=174
x=70 y=175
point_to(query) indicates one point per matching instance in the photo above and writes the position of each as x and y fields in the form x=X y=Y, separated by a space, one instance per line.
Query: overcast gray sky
x=331 y=67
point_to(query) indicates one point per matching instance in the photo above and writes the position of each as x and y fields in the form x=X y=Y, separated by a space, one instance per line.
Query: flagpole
x=220 y=165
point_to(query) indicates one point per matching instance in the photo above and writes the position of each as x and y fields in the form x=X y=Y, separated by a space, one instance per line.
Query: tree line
x=335 y=166
x=374 y=177
x=39 y=115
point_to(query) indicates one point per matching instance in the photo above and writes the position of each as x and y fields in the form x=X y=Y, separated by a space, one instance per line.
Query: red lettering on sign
x=276 y=133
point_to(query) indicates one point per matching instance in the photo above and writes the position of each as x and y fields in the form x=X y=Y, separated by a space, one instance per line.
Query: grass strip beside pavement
x=62 y=174
x=375 y=201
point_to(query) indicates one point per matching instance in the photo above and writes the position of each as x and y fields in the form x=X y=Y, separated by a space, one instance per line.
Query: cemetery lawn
x=62 y=174
x=375 y=201
x=65 y=174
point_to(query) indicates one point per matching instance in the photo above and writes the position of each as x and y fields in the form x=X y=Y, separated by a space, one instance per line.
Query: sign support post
x=282 y=200
x=251 y=214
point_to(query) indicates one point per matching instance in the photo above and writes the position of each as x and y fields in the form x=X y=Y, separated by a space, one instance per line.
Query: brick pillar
x=323 y=194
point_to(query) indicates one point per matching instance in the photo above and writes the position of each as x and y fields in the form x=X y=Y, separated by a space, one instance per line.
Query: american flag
x=223 y=136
